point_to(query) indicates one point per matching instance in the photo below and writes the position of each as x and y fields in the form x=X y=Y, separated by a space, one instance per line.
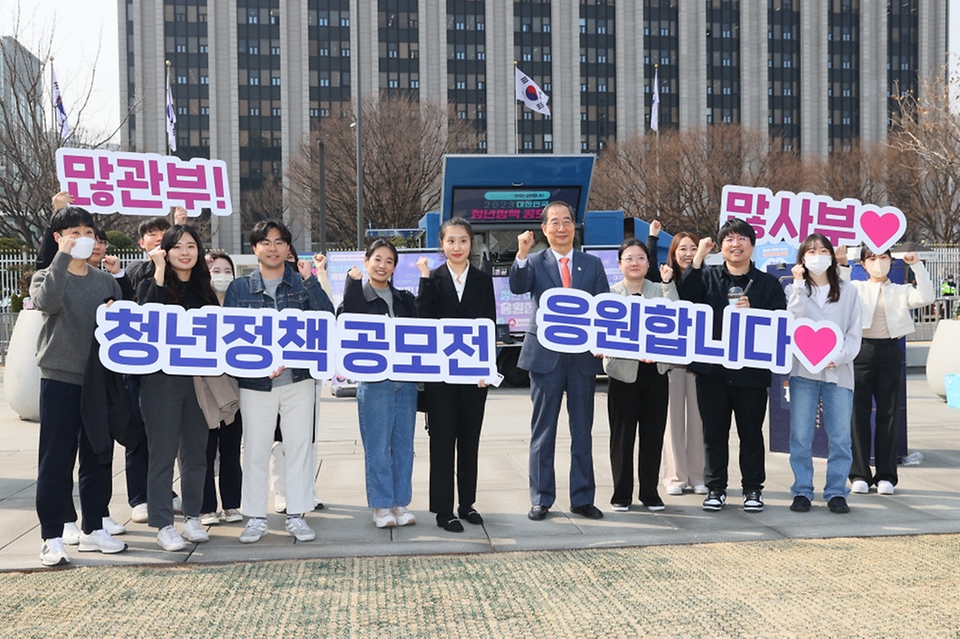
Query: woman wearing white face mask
x=818 y=294
x=224 y=439
x=878 y=369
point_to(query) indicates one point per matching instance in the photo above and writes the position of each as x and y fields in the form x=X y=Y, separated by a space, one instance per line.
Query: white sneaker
x=192 y=531
x=674 y=490
x=254 y=530
x=139 y=514
x=860 y=487
x=169 y=539
x=700 y=489
x=71 y=534
x=113 y=527
x=232 y=516
x=884 y=487
x=404 y=516
x=210 y=519
x=178 y=505
x=100 y=540
x=297 y=526
x=383 y=518
x=52 y=553
x=279 y=503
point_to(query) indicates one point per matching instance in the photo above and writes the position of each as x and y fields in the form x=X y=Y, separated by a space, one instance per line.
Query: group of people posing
x=202 y=421
x=680 y=417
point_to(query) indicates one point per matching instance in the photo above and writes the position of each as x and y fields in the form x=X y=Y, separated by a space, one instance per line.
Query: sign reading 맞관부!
x=142 y=183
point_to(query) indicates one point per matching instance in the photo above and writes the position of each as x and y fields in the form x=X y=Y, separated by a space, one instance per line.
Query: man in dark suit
x=551 y=373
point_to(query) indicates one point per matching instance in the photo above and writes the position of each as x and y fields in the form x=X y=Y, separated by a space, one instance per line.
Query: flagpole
x=53 y=100
x=516 y=125
x=166 y=91
x=656 y=88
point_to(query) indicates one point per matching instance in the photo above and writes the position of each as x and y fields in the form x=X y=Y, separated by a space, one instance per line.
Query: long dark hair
x=833 y=276
x=674 y=245
x=199 y=275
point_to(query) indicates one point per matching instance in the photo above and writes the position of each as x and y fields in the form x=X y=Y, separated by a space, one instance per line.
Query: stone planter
x=21 y=378
x=944 y=355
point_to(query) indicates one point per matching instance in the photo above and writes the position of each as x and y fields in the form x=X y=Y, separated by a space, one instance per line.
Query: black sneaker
x=752 y=501
x=838 y=505
x=800 y=504
x=715 y=500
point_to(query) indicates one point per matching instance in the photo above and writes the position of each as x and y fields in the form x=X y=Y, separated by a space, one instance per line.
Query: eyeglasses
x=555 y=224
x=277 y=243
x=735 y=239
x=631 y=260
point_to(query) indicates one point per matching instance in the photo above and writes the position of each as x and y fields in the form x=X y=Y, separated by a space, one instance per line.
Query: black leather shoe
x=538 y=512
x=587 y=510
x=471 y=516
x=449 y=523
x=800 y=504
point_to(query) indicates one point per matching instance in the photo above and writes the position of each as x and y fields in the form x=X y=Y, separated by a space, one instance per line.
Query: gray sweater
x=69 y=304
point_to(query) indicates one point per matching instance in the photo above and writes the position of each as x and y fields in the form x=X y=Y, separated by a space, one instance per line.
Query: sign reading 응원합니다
x=141 y=339
x=681 y=332
x=791 y=217
x=142 y=183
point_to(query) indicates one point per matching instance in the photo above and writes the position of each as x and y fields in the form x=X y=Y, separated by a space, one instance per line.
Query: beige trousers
x=682 y=463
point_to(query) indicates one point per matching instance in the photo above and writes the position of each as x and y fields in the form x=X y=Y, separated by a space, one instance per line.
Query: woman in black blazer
x=459 y=290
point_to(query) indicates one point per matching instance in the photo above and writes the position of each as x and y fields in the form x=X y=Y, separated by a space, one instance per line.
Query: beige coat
x=625 y=370
x=219 y=399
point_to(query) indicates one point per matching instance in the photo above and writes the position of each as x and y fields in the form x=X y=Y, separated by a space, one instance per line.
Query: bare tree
x=925 y=178
x=404 y=142
x=28 y=141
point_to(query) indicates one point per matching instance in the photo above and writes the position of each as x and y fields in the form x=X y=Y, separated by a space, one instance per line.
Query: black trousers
x=719 y=401
x=637 y=408
x=877 y=376
x=455 y=416
x=226 y=441
x=61 y=437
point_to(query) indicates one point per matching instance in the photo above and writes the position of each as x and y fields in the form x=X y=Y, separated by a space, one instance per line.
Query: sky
x=82 y=37
x=73 y=31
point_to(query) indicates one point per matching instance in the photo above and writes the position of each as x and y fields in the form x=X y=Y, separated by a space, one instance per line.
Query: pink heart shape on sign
x=815 y=344
x=880 y=227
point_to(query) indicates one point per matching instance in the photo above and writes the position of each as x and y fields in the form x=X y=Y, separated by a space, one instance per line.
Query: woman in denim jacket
x=388 y=409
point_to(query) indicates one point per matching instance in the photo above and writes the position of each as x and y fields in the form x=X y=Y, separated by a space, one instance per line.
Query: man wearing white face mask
x=68 y=293
x=878 y=370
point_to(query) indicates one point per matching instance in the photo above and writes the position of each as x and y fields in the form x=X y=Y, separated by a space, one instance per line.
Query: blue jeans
x=805 y=395
x=388 y=415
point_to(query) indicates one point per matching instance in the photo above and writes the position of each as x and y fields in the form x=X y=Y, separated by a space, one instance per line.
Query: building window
x=253 y=80
x=181 y=110
x=274 y=50
x=204 y=110
x=344 y=22
x=276 y=112
x=252 y=16
x=275 y=82
x=181 y=79
x=254 y=110
x=204 y=48
x=204 y=79
x=254 y=50
x=414 y=84
x=323 y=53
